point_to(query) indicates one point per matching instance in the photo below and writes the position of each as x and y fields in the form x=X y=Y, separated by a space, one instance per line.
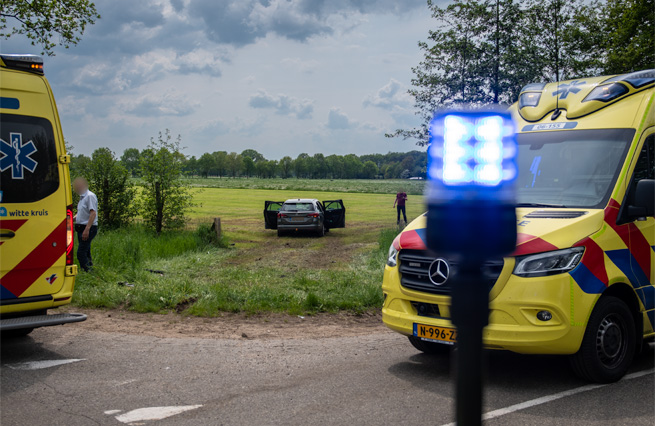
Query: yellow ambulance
x=581 y=281
x=37 y=272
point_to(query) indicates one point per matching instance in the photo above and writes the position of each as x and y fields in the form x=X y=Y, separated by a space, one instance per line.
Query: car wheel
x=429 y=348
x=609 y=343
x=12 y=334
x=280 y=233
x=321 y=232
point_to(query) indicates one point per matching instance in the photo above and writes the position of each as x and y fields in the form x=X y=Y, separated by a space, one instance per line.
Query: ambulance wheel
x=609 y=343
x=429 y=348
x=12 y=334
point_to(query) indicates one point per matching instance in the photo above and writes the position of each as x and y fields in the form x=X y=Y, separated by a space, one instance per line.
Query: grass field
x=256 y=271
x=368 y=186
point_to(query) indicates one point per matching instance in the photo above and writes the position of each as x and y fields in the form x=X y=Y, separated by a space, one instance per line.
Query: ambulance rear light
x=606 y=93
x=29 y=63
x=69 y=235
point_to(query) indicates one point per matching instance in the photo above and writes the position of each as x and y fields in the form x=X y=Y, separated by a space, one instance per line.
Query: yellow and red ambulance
x=581 y=281
x=37 y=272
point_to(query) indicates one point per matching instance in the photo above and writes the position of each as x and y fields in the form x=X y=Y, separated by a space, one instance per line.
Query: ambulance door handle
x=6 y=235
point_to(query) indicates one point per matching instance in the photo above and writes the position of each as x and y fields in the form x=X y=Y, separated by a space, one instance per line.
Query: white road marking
x=38 y=365
x=110 y=412
x=548 y=398
x=153 y=413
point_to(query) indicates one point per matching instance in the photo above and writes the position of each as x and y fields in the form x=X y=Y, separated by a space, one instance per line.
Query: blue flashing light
x=475 y=149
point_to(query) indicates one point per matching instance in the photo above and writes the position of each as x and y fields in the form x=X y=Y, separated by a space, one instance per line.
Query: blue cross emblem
x=16 y=155
x=565 y=89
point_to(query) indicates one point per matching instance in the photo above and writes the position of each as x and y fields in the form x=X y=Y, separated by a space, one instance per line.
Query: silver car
x=304 y=214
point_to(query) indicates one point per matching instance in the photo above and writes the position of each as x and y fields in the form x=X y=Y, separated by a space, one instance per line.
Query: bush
x=166 y=198
x=110 y=181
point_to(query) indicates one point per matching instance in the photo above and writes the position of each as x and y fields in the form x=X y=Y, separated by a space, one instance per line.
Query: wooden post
x=216 y=227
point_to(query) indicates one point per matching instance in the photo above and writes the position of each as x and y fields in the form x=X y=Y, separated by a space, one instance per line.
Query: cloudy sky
x=280 y=76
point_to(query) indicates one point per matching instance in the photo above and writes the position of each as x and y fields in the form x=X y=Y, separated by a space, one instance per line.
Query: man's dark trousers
x=84 y=247
x=401 y=209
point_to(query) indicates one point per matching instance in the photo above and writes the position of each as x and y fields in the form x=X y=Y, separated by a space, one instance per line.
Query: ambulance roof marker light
x=29 y=63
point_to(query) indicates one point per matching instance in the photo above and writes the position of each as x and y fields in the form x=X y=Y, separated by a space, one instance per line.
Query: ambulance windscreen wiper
x=557 y=206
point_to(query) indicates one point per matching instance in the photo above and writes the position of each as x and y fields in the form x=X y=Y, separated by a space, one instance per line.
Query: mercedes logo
x=439 y=271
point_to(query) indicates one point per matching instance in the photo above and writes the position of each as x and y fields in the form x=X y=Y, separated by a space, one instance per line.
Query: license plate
x=436 y=334
x=297 y=219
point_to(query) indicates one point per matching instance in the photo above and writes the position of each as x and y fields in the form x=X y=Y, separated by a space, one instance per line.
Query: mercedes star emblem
x=439 y=271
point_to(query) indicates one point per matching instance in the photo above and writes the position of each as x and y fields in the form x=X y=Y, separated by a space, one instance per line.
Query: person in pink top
x=399 y=204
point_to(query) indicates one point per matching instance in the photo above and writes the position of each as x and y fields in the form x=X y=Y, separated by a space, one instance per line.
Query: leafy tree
x=613 y=36
x=234 y=164
x=248 y=166
x=43 y=21
x=286 y=165
x=165 y=198
x=191 y=167
x=253 y=155
x=130 y=160
x=110 y=181
x=483 y=52
x=79 y=165
x=300 y=166
x=369 y=170
x=206 y=164
x=221 y=163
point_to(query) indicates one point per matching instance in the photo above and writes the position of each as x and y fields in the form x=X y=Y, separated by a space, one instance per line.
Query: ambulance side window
x=645 y=168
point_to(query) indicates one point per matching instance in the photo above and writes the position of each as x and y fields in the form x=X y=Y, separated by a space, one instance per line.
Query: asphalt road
x=69 y=376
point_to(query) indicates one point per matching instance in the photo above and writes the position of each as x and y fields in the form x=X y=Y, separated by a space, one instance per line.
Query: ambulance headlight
x=392 y=258
x=606 y=93
x=549 y=263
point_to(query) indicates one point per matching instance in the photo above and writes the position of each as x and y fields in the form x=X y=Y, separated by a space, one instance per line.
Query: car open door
x=335 y=214
x=271 y=208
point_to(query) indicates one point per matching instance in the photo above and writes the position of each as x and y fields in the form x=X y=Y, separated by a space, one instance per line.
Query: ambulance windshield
x=574 y=168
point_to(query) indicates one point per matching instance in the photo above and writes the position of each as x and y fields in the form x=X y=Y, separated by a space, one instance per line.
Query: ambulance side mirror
x=642 y=203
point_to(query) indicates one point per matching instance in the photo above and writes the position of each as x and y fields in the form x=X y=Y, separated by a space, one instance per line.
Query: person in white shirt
x=86 y=222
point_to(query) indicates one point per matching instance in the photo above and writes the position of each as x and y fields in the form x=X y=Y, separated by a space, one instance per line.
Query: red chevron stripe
x=529 y=244
x=410 y=240
x=37 y=262
x=594 y=259
x=631 y=236
x=11 y=225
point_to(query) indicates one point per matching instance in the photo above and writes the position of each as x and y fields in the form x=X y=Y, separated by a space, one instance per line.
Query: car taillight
x=281 y=215
x=313 y=215
x=69 y=235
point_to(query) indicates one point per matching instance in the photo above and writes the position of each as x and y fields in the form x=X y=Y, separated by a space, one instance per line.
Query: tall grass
x=186 y=270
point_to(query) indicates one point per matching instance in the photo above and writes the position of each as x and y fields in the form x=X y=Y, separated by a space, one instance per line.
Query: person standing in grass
x=86 y=221
x=399 y=204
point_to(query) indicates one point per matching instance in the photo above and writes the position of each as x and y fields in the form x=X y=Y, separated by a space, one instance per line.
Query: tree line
x=250 y=163
x=482 y=52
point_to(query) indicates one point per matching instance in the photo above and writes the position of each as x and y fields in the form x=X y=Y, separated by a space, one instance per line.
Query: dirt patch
x=301 y=251
x=231 y=326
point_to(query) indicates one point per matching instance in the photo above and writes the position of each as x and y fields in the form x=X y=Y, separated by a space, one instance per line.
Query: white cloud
x=391 y=95
x=282 y=104
x=338 y=120
x=154 y=105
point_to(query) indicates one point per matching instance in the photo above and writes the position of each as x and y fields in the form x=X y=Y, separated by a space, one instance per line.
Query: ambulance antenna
x=557 y=111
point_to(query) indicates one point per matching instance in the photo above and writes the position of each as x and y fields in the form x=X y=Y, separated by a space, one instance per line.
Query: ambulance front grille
x=414 y=266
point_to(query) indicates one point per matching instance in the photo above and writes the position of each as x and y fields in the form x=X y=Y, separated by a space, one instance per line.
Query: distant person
x=86 y=221
x=399 y=204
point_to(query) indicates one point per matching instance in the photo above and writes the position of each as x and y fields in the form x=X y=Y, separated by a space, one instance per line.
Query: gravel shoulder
x=231 y=326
